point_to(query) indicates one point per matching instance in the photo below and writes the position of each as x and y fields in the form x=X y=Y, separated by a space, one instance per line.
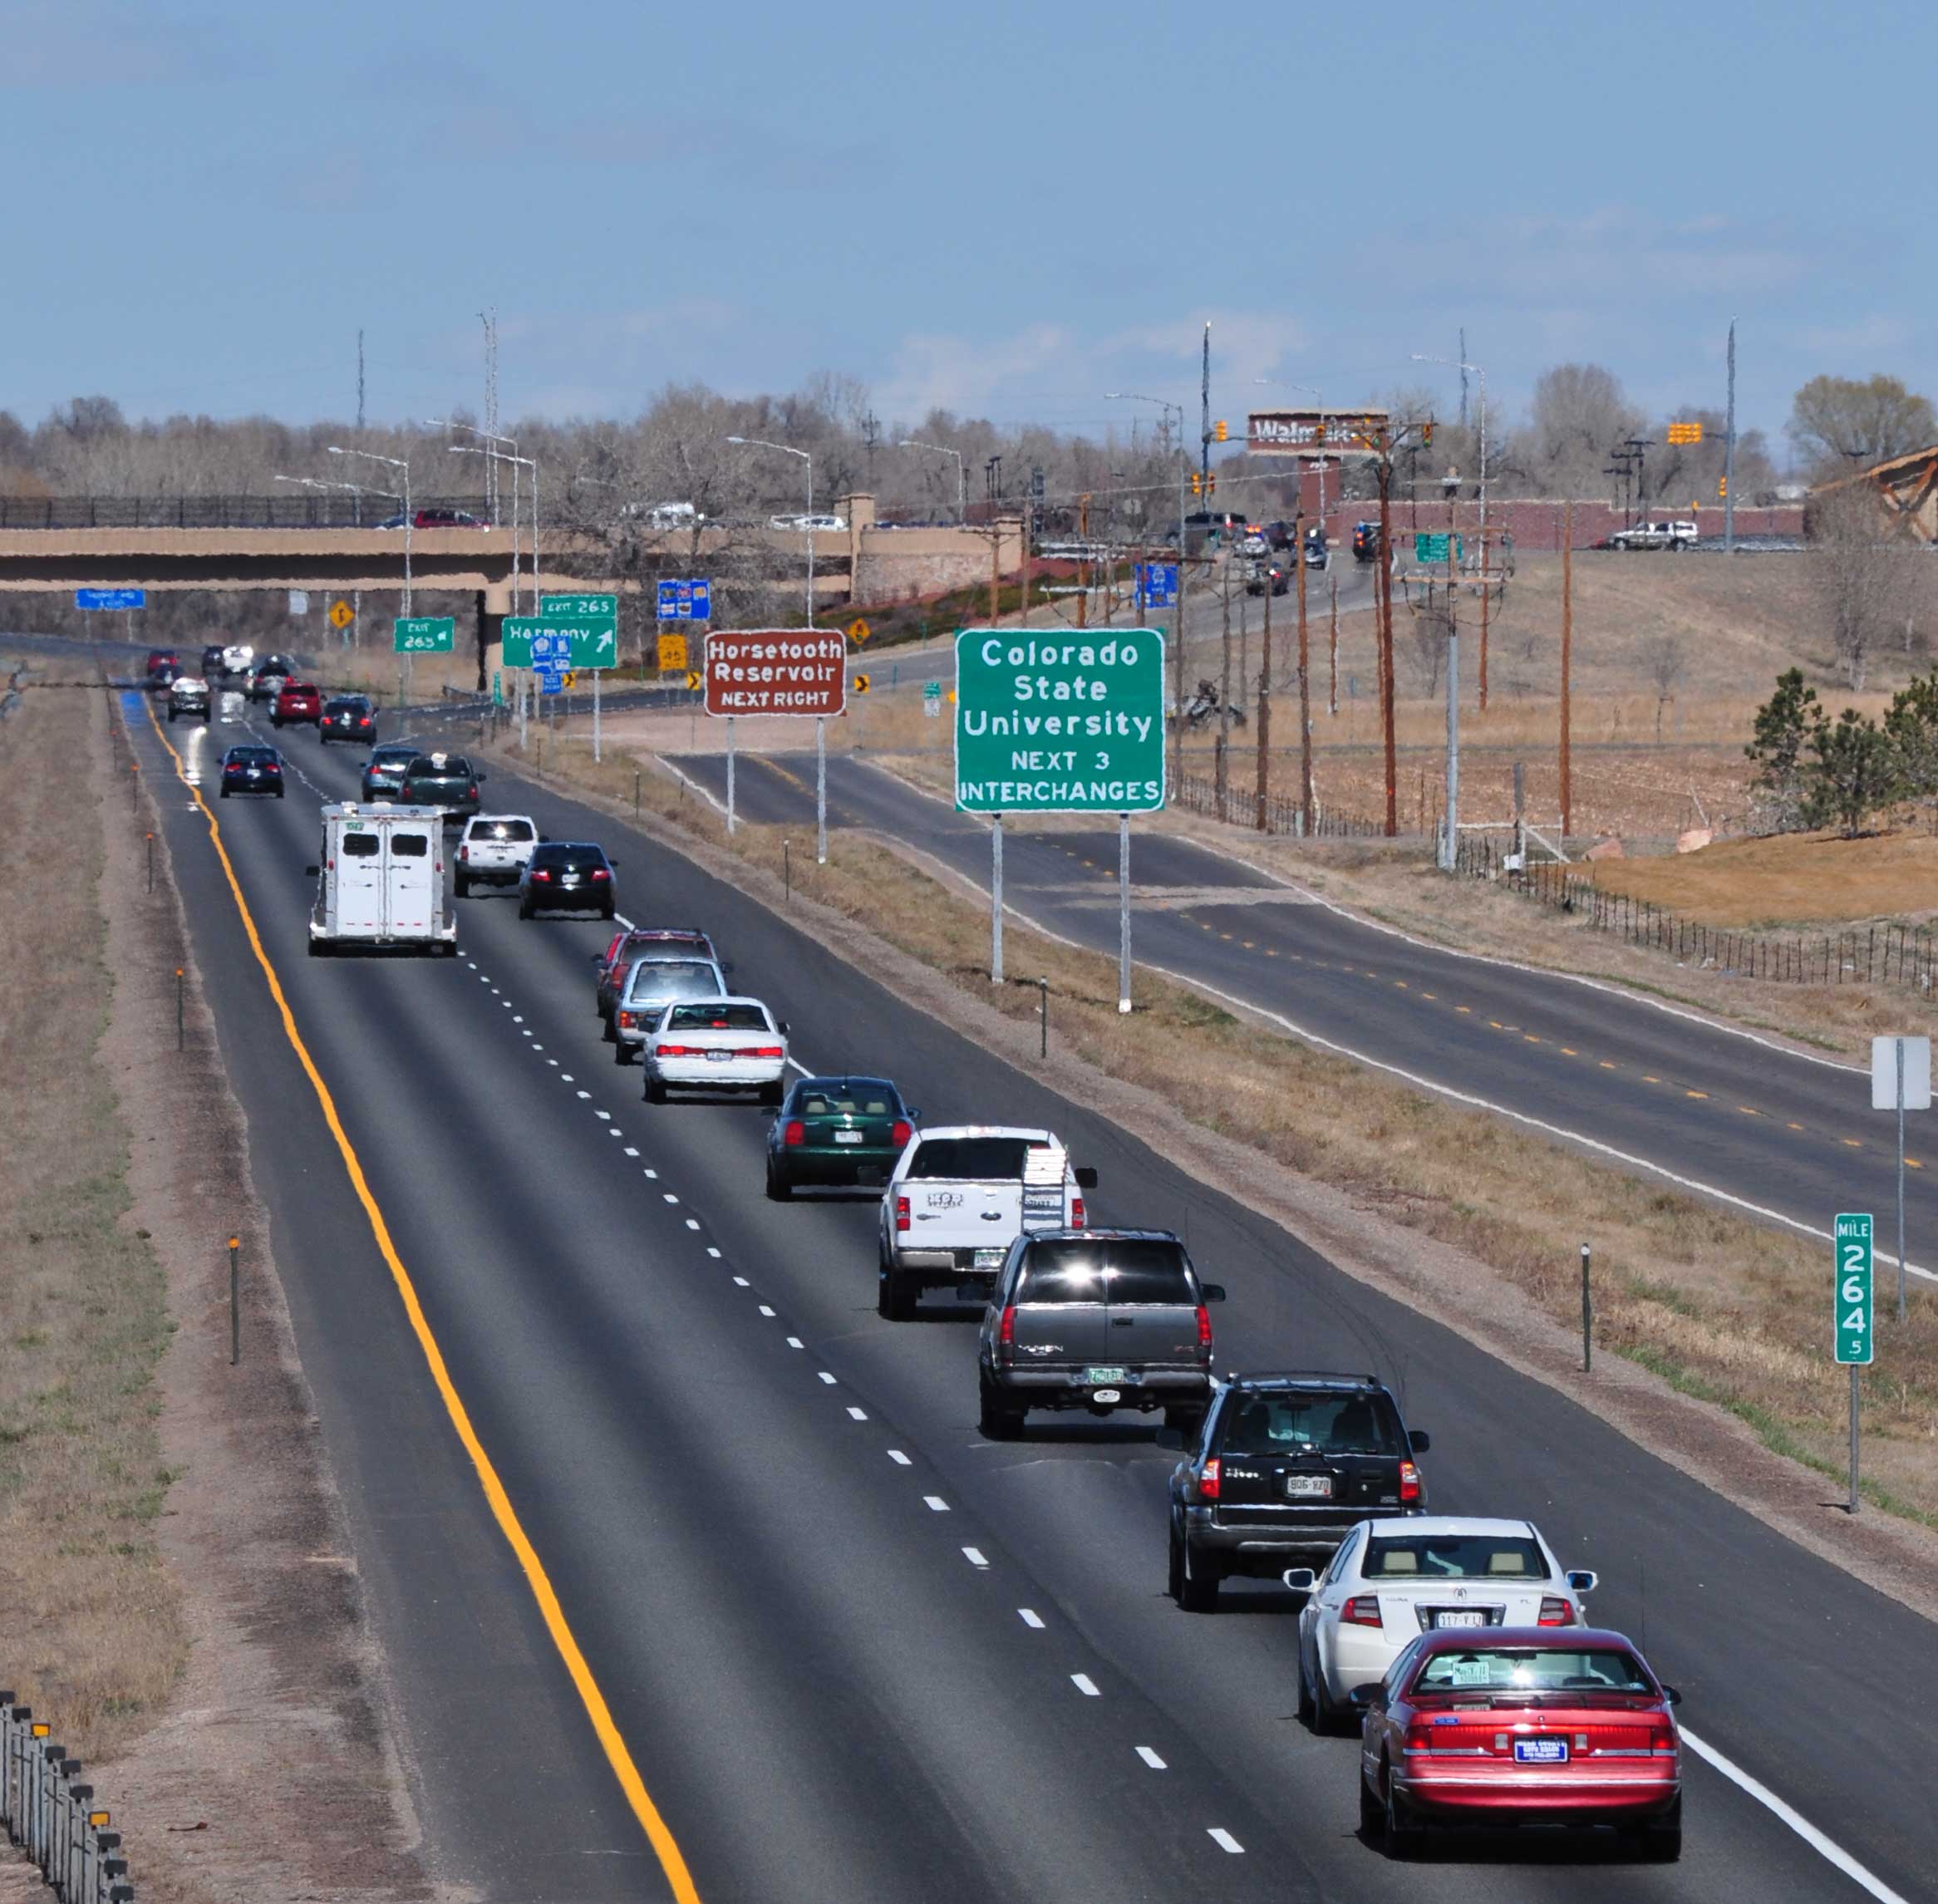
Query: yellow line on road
x=1569 y=1051
x=1855 y=1143
x=593 y=1701
x=1605 y=1063
x=1695 y=1094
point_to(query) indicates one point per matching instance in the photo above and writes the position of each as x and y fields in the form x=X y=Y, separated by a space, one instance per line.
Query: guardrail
x=1240 y=808
x=51 y=1814
x=314 y=509
x=1906 y=956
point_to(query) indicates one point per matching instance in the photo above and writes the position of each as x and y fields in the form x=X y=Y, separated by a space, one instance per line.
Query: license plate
x=1104 y=1377
x=847 y=1137
x=718 y=1057
x=1309 y=1486
x=990 y=1258
x=1459 y=1616
x=1541 y=1751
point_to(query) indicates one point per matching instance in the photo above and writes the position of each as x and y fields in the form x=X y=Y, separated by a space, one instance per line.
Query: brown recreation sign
x=776 y=670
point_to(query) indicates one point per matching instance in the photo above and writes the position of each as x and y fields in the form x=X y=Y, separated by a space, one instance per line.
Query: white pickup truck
x=493 y=851
x=959 y=1196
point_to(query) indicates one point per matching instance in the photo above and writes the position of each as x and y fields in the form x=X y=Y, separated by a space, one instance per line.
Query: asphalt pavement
x=854 y=1651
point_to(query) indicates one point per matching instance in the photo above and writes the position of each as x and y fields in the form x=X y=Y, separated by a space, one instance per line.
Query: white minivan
x=381 y=881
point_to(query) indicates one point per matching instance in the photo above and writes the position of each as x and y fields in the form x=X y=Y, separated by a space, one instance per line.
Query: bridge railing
x=312 y=510
x=51 y=1814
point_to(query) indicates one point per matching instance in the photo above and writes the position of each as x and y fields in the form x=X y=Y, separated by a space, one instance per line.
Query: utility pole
x=1730 y=455
x=1567 y=653
x=871 y=432
x=1223 y=774
x=1483 y=615
x=1384 y=582
x=1306 y=696
x=1205 y=433
x=1332 y=655
x=1450 y=824
x=1265 y=712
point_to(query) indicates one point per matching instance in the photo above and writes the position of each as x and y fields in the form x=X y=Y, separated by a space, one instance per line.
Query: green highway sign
x=595 y=641
x=424 y=634
x=581 y=607
x=1852 y=1316
x=1434 y=548
x=1059 y=720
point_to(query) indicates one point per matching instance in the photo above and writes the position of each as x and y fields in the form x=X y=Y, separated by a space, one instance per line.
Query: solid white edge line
x=687 y=780
x=1151 y=1758
x=1825 y=1847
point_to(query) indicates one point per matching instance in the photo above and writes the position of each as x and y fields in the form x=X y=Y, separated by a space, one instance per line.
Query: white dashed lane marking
x=1085 y=1684
x=1223 y=1839
x=857 y=1414
x=825 y=1377
x=741 y=1283
x=766 y=1311
x=975 y=1557
x=795 y=1342
x=1030 y=1618
x=1151 y=1758
x=899 y=1458
x=935 y=1504
x=693 y=1222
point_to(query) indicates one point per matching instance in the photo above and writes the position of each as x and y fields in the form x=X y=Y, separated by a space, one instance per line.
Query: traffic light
x=1722 y=488
x=1211 y=485
x=1197 y=484
x=1219 y=431
x=1685 y=432
x=1426 y=436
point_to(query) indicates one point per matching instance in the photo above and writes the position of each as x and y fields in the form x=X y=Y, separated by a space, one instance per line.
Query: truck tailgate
x=950 y=1215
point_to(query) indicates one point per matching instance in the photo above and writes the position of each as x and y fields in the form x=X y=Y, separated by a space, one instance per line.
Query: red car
x=299 y=700
x=1520 y=1725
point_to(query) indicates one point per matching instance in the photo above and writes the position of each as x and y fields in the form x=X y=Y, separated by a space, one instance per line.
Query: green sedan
x=836 y=1131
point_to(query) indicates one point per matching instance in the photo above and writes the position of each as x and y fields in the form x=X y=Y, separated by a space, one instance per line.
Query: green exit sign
x=581 y=607
x=1433 y=549
x=424 y=634
x=593 y=640
x=1853 y=1313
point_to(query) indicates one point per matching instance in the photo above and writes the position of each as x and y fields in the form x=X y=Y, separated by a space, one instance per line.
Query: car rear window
x=979 y=1159
x=1454 y=1557
x=1123 y=1269
x=253 y=757
x=502 y=829
x=1314 y=1424
x=360 y=846
x=408 y=845
x=717 y=1018
x=1533 y=1669
x=845 y=1103
x=454 y=767
x=663 y=978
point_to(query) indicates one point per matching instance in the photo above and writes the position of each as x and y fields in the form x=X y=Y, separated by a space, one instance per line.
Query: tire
x=655 y=1092
x=1174 y=1572
x=1372 y=1813
x=1327 y=1720
x=1188 y=1421
x=1401 y=1834
x=460 y=885
x=607 y=1035
x=524 y=911
x=771 y=1096
x=892 y=1299
x=1308 y=1706
x=1659 y=1841
x=622 y=1054
x=779 y=1189
x=998 y=1420
x=279 y=791
x=222 y=793
x=1199 y=1581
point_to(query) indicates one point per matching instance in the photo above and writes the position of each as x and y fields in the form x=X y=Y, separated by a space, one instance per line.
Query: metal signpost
x=1060 y=723
x=791 y=671
x=1901 y=1081
x=1852 y=1313
x=686 y=601
x=587 y=608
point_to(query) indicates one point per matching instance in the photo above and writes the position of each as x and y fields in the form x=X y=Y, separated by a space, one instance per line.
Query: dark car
x=1263 y=575
x=164 y=665
x=567 y=876
x=212 y=668
x=1318 y=550
x=1283 y=1466
x=836 y=1131
x=1280 y=534
x=266 y=677
x=446 y=781
x=252 y=771
x=1366 y=542
x=1520 y=1725
x=1097 y=1320
x=347 y=717
x=384 y=772
x=636 y=942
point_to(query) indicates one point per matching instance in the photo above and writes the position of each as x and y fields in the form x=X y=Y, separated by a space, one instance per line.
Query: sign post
x=1901 y=1081
x=595 y=608
x=791 y=671
x=1061 y=724
x=1852 y=1311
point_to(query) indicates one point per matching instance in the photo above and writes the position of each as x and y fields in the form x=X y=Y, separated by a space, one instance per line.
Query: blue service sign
x=110 y=599
x=686 y=601
x=552 y=648
x=1158 y=581
x=551 y=681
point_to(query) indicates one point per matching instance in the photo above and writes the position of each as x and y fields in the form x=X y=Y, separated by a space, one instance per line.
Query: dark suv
x=1100 y=1320
x=1284 y=1465
x=567 y=876
x=446 y=781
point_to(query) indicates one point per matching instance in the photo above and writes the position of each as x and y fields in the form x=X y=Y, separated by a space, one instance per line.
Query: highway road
x=849 y=1649
x=1750 y=1120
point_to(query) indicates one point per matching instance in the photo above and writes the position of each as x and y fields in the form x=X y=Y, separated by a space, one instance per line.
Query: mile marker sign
x=1852 y=1316
x=1059 y=720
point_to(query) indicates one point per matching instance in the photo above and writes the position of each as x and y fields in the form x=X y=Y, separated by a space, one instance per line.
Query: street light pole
x=1479 y=371
x=395 y=463
x=1178 y=608
x=488 y=436
x=961 y=484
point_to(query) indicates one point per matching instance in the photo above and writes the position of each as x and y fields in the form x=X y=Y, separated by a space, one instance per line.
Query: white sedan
x=1389 y=1581
x=715 y=1045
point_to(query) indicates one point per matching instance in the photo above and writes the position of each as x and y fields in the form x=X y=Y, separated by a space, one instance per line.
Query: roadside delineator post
x=1587 y=1317
x=150 y=840
x=180 y=1023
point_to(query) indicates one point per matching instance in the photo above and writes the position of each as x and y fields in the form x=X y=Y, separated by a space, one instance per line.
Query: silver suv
x=1100 y=1320
x=653 y=984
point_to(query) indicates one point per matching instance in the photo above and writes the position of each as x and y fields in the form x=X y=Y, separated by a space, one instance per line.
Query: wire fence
x=1240 y=807
x=51 y=1814
x=311 y=509
x=1891 y=955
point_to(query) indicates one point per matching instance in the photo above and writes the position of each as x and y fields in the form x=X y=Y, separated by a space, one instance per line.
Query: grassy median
x=90 y=1626
x=1718 y=1306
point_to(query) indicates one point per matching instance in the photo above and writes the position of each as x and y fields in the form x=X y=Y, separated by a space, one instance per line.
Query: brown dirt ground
x=267 y=1770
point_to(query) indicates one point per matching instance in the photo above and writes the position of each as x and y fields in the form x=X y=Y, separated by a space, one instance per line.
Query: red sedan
x=299 y=700
x=1520 y=1726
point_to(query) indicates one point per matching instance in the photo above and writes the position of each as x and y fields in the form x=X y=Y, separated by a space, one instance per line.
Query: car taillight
x=472 y=790
x=900 y=1135
x=598 y=872
x=1204 y=1339
x=1210 y=1479
x=1363 y=1610
x=795 y=1132
x=1076 y=1213
x=1006 y=1331
x=1410 y=1481
x=463 y=853
x=626 y=1020
x=761 y=1051
x=1555 y=1612
x=679 y=1050
x=1420 y=1737
x=901 y=1212
x=540 y=872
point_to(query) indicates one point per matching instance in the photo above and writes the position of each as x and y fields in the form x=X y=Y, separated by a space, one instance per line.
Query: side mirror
x=312 y=872
x=1169 y=1438
x=545 y=840
x=1212 y=1292
x=1086 y=1176
x=480 y=776
x=913 y=1115
x=1584 y=1580
x=1673 y=1694
x=613 y=863
x=1300 y=1579
x=1365 y=1697
x=1419 y=1440
x=784 y=1027
x=598 y=958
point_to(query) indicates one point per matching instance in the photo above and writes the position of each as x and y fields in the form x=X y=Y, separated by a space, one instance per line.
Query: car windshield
x=717 y=1018
x=1454 y=1557
x=663 y=979
x=1107 y=1269
x=502 y=829
x=1530 y=1671
x=980 y=1159
x=1316 y=1424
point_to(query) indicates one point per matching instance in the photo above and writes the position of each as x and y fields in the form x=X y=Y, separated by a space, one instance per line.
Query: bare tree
x=1665 y=661
x=1836 y=419
x=1578 y=415
x=1862 y=581
x=1425 y=645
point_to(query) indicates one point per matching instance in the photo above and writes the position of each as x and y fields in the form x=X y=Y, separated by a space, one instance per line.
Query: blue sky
x=1003 y=209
